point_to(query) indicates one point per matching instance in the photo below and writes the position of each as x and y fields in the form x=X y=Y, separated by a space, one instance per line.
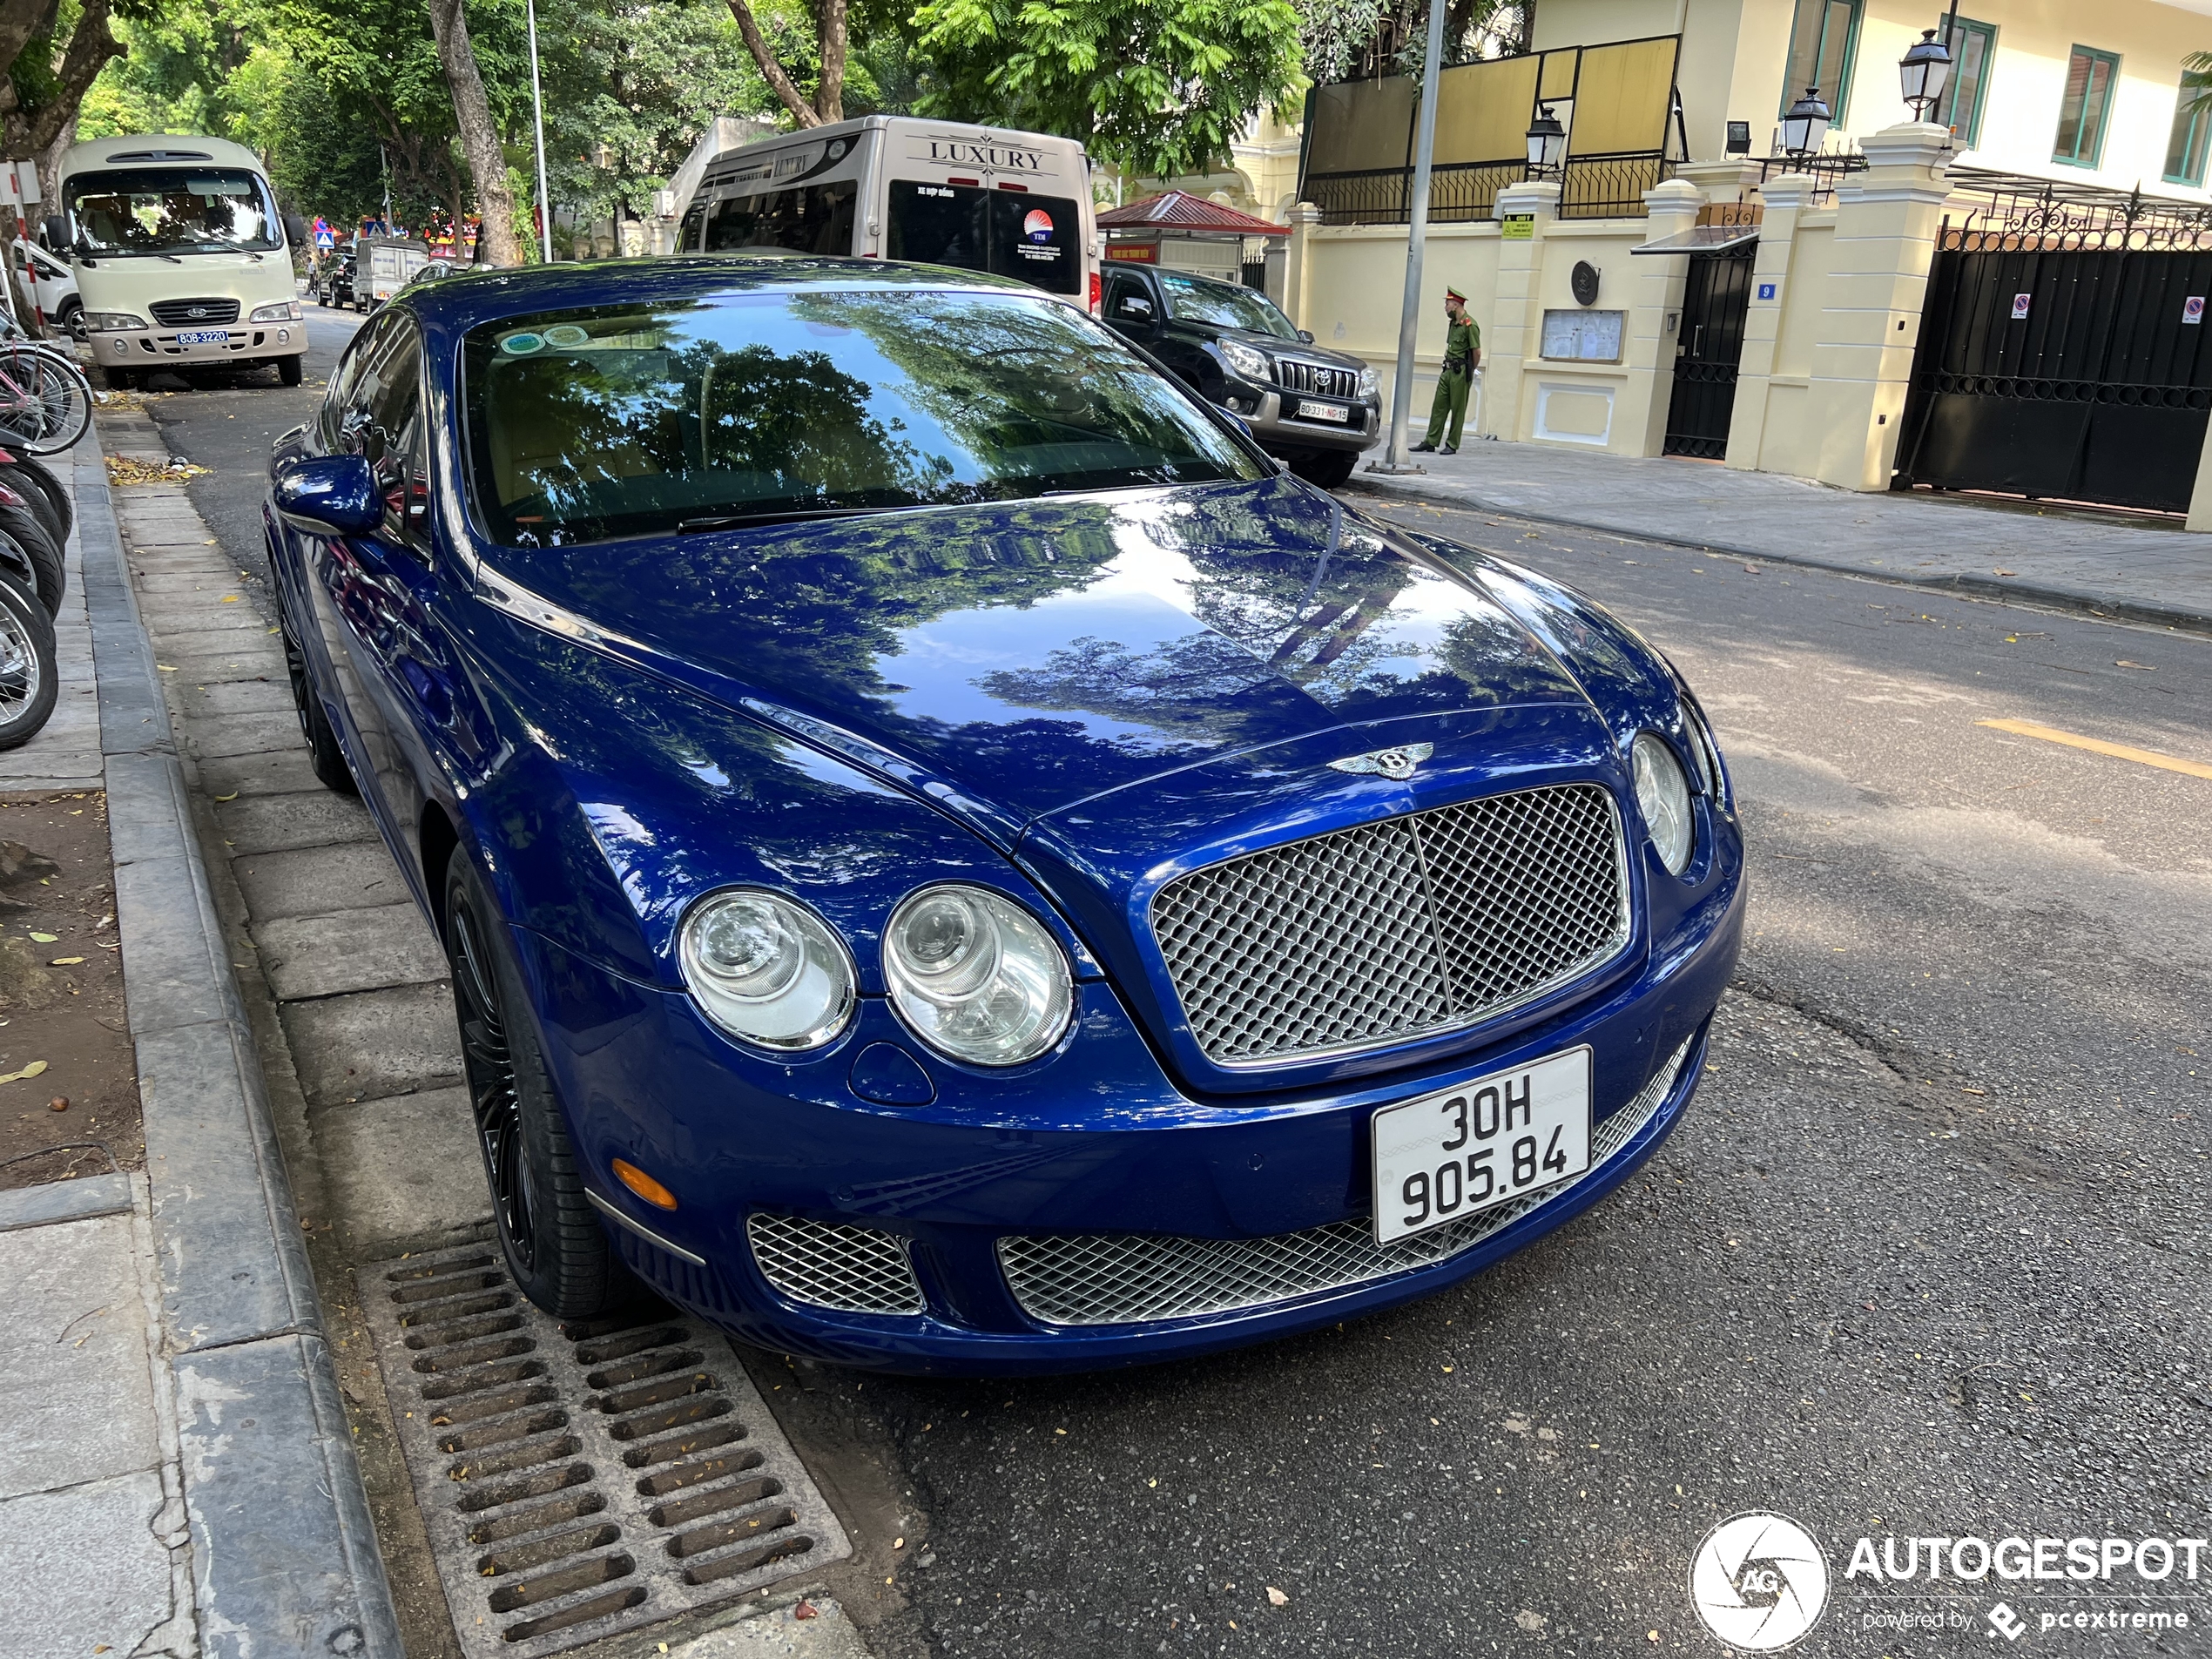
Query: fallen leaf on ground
x=66 y=961
x=2122 y=662
x=165 y=668
x=31 y=1070
x=44 y=938
x=805 y=1611
x=2000 y=570
x=231 y=796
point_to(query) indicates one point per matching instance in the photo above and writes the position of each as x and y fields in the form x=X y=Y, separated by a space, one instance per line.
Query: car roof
x=486 y=294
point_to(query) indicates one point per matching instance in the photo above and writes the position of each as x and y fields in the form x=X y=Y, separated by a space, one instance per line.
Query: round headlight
x=767 y=970
x=976 y=976
x=1662 y=795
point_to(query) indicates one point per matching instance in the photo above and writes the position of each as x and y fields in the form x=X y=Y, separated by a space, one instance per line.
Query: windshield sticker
x=565 y=335
x=522 y=344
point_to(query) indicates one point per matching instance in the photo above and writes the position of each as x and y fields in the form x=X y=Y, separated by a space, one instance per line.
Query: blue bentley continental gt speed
x=950 y=861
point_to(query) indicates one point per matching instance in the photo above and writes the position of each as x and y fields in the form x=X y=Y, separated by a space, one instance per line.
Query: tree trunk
x=479 y=138
x=829 y=91
x=779 y=80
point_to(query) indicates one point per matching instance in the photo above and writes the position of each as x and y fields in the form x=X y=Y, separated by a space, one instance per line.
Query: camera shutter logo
x=1759 y=1582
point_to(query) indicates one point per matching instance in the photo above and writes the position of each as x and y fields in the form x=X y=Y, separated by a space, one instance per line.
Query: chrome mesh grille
x=1133 y=1278
x=855 y=1269
x=1411 y=925
x=1321 y=378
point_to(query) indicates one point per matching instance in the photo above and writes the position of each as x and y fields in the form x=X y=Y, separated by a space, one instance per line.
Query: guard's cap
x=1453 y=293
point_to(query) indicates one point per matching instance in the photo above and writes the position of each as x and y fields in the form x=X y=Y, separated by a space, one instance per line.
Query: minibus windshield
x=172 y=211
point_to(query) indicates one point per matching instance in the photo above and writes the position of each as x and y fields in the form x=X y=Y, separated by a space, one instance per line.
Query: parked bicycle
x=45 y=402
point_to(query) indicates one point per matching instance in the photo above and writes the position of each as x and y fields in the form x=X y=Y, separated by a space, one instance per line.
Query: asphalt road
x=1925 y=1259
x=227 y=424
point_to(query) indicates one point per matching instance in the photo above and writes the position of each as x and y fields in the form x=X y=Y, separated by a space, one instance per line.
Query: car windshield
x=586 y=425
x=1198 y=300
x=173 y=210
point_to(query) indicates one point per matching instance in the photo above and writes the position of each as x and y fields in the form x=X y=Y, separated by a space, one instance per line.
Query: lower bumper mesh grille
x=829 y=1264
x=1133 y=1278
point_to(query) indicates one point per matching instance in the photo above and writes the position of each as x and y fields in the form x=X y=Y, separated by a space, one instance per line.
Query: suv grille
x=1131 y=1278
x=1295 y=376
x=194 y=313
x=1412 y=925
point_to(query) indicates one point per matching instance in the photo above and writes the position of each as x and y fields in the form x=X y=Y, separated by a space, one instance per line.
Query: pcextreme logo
x=1759 y=1582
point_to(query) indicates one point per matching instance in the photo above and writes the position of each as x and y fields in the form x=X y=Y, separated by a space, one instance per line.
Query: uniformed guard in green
x=1462 y=356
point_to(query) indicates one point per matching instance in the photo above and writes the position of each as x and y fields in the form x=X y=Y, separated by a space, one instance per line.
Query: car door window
x=383 y=413
x=338 y=399
x=1127 y=300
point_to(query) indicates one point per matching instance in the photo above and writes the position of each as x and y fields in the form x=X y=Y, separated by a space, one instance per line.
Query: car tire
x=1328 y=468
x=288 y=371
x=555 y=1244
x=71 y=318
x=323 y=756
x=29 y=680
x=118 y=380
x=21 y=526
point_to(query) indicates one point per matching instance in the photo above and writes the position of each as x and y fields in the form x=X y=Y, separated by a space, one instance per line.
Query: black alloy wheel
x=555 y=1244
x=324 y=755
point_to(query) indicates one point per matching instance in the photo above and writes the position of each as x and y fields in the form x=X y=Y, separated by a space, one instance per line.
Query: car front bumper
x=1274 y=422
x=974 y=1195
x=161 y=348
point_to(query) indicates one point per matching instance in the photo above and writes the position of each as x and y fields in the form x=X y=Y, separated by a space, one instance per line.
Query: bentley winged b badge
x=1397 y=763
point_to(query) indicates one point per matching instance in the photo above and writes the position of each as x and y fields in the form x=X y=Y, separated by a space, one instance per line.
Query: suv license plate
x=1466 y=1150
x=205 y=337
x=1310 y=411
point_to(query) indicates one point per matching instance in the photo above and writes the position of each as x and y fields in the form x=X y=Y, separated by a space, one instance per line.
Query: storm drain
x=581 y=1478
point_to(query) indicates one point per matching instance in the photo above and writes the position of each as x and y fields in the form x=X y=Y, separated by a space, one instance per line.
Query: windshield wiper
x=740 y=521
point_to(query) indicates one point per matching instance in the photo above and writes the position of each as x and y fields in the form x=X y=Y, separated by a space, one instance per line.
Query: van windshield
x=173 y=210
x=650 y=419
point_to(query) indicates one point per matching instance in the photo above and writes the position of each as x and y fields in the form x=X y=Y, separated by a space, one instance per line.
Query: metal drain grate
x=581 y=1478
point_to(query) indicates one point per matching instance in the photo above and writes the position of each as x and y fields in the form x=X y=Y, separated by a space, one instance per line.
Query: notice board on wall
x=1583 y=336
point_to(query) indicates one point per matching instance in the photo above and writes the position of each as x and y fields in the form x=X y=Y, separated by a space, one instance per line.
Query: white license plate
x=205 y=337
x=1463 y=1151
x=1323 y=412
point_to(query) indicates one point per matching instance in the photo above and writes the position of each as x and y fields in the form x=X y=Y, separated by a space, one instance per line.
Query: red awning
x=1175 y=210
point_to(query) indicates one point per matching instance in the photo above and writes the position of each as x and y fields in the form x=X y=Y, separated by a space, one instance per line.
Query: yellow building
x=2046 y=87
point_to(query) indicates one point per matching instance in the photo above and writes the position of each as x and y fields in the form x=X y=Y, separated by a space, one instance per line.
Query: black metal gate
x=1708 y=348
x=2063 y=354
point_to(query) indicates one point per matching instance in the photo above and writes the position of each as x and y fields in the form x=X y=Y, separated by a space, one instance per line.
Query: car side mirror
x=1306 y=335
x=58 y=234
x=328 y=495
x=295 y=230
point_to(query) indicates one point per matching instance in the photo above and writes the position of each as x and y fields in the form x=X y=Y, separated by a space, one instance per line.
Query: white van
x=896 y=187
x=182 y=260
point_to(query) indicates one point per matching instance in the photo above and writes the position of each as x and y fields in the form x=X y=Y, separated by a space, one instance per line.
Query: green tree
x=1157 y=87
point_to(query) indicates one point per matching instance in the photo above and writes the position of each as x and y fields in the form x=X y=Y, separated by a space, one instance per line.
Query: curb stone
x=1972 y=587
x=284 y=1554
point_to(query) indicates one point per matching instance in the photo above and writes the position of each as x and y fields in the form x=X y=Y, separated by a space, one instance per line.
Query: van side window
x=690 y=239
x=811 y=218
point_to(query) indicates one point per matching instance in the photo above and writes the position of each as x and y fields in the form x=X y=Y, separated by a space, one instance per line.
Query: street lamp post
x=538 y=120
x=1409 y=316
x=1923 y=71
x=1805 y=127
x=1546 y=139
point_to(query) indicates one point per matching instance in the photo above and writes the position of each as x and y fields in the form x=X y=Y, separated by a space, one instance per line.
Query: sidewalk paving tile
x=307 y=957
x=82 y=1568
x=280 y=823
x=401 y=1168
x=369 y=1044
x=308 y=881
x=76 y=1390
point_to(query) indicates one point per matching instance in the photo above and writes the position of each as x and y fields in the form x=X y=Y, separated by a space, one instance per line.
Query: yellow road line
x=2098 y=746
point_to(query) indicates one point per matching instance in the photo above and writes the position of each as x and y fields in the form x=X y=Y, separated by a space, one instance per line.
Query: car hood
x=1014 y=660
x=1276 y=345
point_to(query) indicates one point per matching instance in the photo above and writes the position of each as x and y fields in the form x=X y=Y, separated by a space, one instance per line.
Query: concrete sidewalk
x=2108 y=565
x=177 y=1478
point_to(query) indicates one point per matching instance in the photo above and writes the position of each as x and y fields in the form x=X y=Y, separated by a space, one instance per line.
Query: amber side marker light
x=643 y=1185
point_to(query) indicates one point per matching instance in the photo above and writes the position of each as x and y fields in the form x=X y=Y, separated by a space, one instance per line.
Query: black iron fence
x=1992 y=211
x=1827 y=170
x=1465 y=193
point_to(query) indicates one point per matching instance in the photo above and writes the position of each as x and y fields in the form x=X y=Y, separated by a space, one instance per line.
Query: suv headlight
x=1370 y=385
x=1246 y=360
x=767 y=970
x=1662 y=796
x=110 y=321
x=974 y=975
x=288 y=311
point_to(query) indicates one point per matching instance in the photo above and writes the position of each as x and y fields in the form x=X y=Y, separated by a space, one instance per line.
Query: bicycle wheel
x=36 y=501
x=29 y=679
x=45 y=403
x=27 y=556
x=33 y=476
